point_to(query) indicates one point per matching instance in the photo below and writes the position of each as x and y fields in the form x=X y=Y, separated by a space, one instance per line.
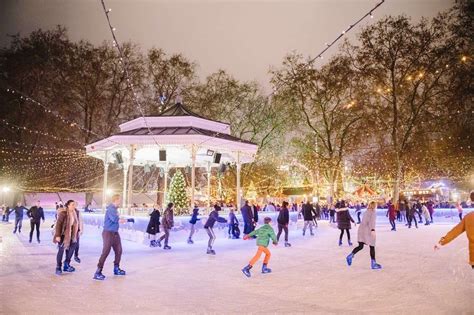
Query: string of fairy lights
x=125 y=63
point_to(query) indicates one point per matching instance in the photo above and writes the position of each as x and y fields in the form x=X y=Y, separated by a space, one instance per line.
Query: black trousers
x=410 y=219
x=358 y=217
x=76 y=250
x=281 y=228
x=18 y=223
x=34 y=224
x=248 y=227
x=361 y=246
x=111 y=240
x=69 y=252
x=460 y=216
x=342 y=234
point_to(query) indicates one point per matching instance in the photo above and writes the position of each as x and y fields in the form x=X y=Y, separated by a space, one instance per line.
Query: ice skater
x=466 y=225
x=167 y=222
x=154 y=226
x=36 y=214
x=19 y=211
x=366 y=235
x=193 y=221
x=233 y=225
x=309 y=214
x=460 y=210
x=426 y=214
x=411 y=216
x=211 y=220
x=283 y=220
x=392 y=215
x=344 y=220
x=66 y=231
x=332 y=214
x=247 y=217
x=358 y=211
x=264 y=234
x=111 y=239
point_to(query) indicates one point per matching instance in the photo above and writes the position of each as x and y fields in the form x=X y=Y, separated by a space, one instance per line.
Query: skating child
x=344 y=220
x=154 y=226
x=466 y=225
x=233 y=222
x=366 y=235
x=264 y=234
x=193 y=221
x=213 y=217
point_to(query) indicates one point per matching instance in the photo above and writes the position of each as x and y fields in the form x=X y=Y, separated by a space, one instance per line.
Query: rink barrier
x=136 y=232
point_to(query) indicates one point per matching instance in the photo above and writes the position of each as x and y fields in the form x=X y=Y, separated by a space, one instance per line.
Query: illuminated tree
x=177 y=193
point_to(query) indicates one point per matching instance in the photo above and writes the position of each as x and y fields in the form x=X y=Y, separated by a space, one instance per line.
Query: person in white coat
x=366 y=235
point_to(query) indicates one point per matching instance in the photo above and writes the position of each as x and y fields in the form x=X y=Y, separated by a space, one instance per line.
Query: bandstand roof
x=176 y=130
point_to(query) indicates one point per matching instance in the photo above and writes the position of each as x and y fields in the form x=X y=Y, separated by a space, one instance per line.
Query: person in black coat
x=308 y=215
x=213 y=218
x=247 y=216
x=19 y=211
x=193 y=221
x=36 y=214
x=283 y=220
x=344 y=220
x=154 y=226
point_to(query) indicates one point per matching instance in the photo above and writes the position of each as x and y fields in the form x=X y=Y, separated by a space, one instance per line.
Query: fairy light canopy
x=180 y=133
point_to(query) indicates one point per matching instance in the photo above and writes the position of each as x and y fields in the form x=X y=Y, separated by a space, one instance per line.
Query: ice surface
x=309 y=277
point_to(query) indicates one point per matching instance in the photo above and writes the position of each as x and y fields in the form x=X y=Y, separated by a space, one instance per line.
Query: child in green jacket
x=264 y=234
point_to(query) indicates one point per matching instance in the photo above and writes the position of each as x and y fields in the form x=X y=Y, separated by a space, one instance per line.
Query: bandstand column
x=130 y=179
x=238 y=179
x=124 y=190
x=208 y=186
x=193 y=174
x=104 y=186
x=165 y=188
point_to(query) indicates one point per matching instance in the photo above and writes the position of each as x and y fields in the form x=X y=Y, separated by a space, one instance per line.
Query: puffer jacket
x=344 y=218
x=264 y=234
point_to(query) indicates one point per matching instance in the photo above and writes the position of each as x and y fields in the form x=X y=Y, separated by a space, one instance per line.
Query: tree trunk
x=396 y=182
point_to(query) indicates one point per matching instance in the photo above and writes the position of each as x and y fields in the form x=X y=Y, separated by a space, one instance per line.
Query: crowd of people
x=68 y=227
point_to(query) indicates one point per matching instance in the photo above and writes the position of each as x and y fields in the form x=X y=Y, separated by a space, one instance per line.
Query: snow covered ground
x=310 y=277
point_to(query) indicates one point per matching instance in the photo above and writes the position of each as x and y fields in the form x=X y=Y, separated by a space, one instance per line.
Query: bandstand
x=175 y=138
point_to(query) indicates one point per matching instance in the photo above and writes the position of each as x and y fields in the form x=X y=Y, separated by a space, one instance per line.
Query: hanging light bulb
x=371 y=15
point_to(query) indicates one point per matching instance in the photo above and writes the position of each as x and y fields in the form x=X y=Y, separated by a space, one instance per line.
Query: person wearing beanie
x=366 y=235
x=466 y=225
x=111 y=239
x=264 y=234
x=193 y=221
x=213 y=217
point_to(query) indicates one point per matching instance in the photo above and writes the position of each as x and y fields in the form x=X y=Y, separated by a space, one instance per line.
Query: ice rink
x=310 y=277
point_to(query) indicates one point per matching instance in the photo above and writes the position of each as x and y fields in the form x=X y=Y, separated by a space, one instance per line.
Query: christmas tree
x=177 y=193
